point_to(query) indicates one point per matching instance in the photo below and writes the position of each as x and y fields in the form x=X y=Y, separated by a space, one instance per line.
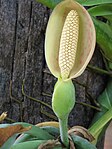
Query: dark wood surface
x=22 y=32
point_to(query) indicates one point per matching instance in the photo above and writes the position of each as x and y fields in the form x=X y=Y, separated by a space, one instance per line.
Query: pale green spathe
x=63 y=99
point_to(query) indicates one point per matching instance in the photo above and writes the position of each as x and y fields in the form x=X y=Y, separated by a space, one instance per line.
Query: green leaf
x=49 y=3
x=105 y=99
x=51 y=130
x=110 y=65
x=9 y=142
x=23 y=138
x=28 y=145
x=4 y=125
x=109 y=20
x=36 y=131
x=100 y=123
x=101 y=10
x=104 y=37
x=94 y=2
x=101 y=119
x=82 y=143
x=52 y=3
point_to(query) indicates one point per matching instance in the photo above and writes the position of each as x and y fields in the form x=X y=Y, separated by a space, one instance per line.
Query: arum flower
x=70 y=40
x=69 y=46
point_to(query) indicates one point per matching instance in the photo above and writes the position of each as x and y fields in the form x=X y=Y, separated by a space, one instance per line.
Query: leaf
x=7 y=132
x=28 y=145
x=49 y=3
x=94 y=2
x=51 y=130
x=104 y=37
x=100 y=124
x=34 y=132
x=101 y=10
x=53 y=3
x=82 y=143
x=105 y=101
x=4 y=125
x=109 y=20
x=9 y=142
x=23 y=138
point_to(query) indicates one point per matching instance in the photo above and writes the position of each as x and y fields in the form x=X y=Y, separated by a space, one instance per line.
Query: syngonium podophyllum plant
x=70 y=42
x=70 y=55
x=69 y=46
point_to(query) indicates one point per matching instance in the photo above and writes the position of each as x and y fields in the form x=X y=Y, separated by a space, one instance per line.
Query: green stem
x=99 y=70
x=96 y=127
x=88 y=105
x=64 y=131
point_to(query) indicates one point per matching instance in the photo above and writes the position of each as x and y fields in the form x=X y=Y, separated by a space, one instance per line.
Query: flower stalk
x=63 y=123
x=63 y=101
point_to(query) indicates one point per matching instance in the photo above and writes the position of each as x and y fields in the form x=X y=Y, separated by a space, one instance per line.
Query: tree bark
x=22 y=27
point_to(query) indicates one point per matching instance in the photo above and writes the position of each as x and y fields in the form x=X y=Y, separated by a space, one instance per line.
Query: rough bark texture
x=22 y=33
